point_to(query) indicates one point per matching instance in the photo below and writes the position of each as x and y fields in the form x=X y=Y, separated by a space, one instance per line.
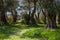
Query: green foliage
x=49 y=34
x=12 y=32
x=32 y=33
x=57 y=34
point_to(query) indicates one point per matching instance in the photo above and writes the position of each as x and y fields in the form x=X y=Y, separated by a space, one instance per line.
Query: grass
x=41 y=33
x=20 y=31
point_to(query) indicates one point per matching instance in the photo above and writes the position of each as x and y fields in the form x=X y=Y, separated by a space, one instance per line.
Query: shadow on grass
x=7 y=30
x=23 y=25
x=11 y=29
x=35 y=26
x=58 y=26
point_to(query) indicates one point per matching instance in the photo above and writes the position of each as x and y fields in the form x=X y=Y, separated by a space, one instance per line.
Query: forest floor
x=20 y=31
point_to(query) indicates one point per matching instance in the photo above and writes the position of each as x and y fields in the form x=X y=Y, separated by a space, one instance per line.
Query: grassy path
x=14 y=32
x=18 y=34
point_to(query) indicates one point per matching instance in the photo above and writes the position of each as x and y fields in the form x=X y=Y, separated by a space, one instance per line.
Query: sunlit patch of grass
x=34 y=32
x=49 y=34
x=14 y=37
x=41 y=33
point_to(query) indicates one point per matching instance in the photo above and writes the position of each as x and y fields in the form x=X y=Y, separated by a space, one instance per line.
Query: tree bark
x=51 y=21
x=3 y=17
x=14 y=14
x=44 y=13
x=38 y=17
x=2 y=13
x=58 y=18
x=29 y=12
x=51 y=15
x=32 y=15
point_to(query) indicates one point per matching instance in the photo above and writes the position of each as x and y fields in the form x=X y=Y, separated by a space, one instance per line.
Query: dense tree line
x=7 y=5
x=49 y=9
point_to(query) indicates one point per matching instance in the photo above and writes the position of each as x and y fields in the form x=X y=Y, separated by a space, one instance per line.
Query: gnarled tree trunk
x=14 y=14
x=51 y=21
x=59 y=18
x=32 y=15
x=3 y=17
x=44 y=13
